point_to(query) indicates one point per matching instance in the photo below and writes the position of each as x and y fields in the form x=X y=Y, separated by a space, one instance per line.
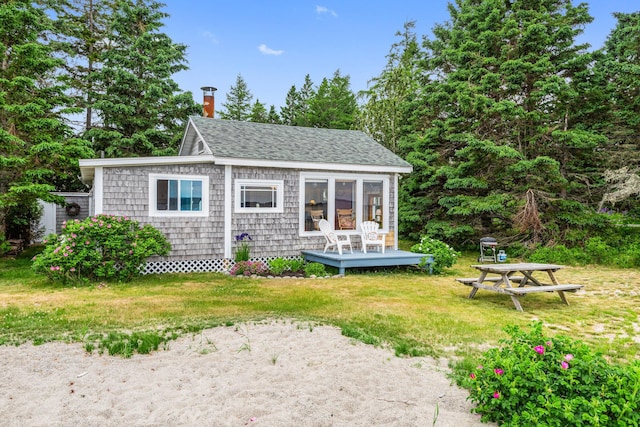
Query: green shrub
x=532 y=380
x=628 y=257
x=4 y=245
x=278 y=266
x=100 y=247
x=295 y=264
x=444 y=255
x=560 y=254
x=598 y=250
x=314 y=269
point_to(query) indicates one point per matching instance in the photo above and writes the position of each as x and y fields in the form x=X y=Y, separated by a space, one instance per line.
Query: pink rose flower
x=539 y=349
x=496 y=395
x=568 y=357
x=498 y=371
x=564 y=365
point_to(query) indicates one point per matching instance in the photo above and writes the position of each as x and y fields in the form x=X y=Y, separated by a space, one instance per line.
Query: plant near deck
x=444 y=255
x=533 y=380
x=243 y=250
x=280 y=266
x=100 y=247
x=314 y=269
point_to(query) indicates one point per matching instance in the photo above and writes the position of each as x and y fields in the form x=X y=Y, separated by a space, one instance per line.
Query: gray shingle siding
x=61 y=212
x=126 y=192
x=274 y=234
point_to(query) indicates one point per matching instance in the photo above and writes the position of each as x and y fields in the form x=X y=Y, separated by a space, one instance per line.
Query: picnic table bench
x=527 y=284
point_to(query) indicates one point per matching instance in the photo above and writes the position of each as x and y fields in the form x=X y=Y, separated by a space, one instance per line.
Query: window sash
x=172 y=195
x=259 y=196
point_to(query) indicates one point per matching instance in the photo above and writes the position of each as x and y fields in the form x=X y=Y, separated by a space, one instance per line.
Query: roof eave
x=284 y=164
x=88 y=166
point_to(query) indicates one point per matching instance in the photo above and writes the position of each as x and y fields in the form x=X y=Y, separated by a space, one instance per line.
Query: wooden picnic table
x=523 y=275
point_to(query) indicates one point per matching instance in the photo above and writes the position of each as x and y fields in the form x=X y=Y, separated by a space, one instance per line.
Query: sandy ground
x=271 y=374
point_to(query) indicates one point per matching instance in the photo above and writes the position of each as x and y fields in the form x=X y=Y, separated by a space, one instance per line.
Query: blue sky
x=273 y=44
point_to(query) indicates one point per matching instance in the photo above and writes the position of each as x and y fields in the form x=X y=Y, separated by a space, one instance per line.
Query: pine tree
x=334 y=105
x=258 y=113
x=273 y=116
x=621 y=67
x=497 y=119
x=141 y=108
x=383 y=114
x=238 y=103
x=37 y=152
x=289 y=113
x=79 y=34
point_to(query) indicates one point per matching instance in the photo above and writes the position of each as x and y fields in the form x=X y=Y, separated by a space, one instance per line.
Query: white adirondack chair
x=337 y=240
x=370 y=236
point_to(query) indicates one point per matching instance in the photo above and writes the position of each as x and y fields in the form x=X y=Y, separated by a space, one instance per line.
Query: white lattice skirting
x=198 y=265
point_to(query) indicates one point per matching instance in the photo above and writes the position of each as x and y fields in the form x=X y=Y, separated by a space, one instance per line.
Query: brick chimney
x=208 y=105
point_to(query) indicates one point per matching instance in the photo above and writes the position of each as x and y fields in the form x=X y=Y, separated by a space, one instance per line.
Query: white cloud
x=268 y=51
x=321 y=10
x=209 y=36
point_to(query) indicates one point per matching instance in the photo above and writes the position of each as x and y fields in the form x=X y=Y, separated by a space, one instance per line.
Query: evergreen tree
x=142 y=110
x=37 y=153
x=289 y=112
x=296 y=108
x=334 y=105
x=383 y=114
x=621 y=65
x=273 y=116
x=238 y=103
x=499 y=135
x=305 y=95
x=258 y=113
x=79 y=34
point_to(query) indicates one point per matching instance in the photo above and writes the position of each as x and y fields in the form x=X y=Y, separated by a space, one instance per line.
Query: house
x=270 y=181
x=53 y=216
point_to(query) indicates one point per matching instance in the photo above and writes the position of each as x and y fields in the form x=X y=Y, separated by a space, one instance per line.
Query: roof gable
x=278 y=143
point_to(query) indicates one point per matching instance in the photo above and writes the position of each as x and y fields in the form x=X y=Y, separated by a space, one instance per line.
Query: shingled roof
x=278 y=143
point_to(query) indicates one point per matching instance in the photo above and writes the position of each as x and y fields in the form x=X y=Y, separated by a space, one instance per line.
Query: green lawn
x=413 y=312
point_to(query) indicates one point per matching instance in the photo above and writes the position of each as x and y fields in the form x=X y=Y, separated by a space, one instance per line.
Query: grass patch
x=411 y=312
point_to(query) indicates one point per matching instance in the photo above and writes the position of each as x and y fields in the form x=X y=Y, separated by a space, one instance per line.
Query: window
x=344 y=200
x=259 y=196
x=177 y=195
x=373 y=195
x=315 y=202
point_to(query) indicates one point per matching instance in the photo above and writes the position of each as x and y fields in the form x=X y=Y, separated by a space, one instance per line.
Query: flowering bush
x=533 y=380
x=444 y=255
x=100 y=247
x=249 y=268
x=243 y=251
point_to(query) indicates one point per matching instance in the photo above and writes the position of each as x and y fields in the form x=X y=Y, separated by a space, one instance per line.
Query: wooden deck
x=359 y=259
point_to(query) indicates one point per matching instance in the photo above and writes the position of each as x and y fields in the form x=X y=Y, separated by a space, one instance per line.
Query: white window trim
x=279 y=184
x=331 y=178
x=153 y=190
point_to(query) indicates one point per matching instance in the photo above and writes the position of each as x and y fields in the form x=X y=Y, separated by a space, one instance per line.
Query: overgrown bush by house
x=100 y=247
x=444 y=255
x=534 y=380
